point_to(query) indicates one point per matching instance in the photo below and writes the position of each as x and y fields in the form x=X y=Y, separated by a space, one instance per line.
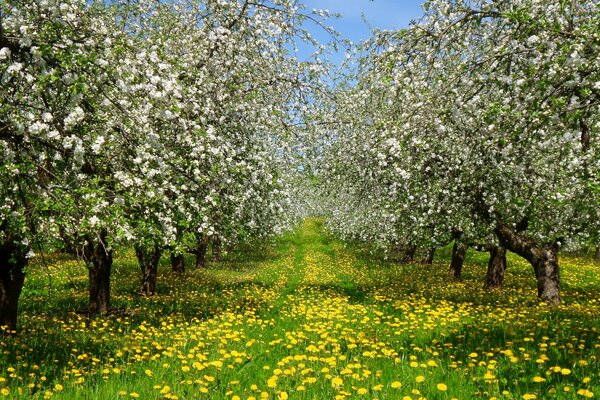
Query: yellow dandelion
x=165 y=390
x=396 y=385
x=337 y=381
x=442 y=387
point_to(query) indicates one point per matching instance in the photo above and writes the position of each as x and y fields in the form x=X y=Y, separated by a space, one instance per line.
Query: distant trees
x=480 y=118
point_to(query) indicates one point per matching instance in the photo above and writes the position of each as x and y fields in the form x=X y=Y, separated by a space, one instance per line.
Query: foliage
x=478 y=114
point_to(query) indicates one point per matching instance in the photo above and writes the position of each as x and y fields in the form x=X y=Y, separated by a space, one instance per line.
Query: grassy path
x=307 y=318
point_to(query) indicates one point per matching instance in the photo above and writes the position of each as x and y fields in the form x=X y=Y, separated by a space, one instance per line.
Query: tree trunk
x=496 y=268
x=12 y=276
x=544 y=260
x=148 y=261
x=428 y=259
x=69 y=245
x=409 y=253
x=177 y=263
x=597 y=255
x=200 y=252
x=547 y=273
x=99 y=262
x=459 y=252
x=217 y=254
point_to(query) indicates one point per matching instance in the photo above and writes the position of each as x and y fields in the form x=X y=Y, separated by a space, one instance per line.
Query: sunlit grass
x=306 y=318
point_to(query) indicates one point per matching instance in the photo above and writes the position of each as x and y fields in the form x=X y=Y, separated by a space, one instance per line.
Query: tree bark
x=409 y=253
x=459 y=252
x=494 y=277
x=597 y=255
x=69 y=245
x=177 y=263
x=148 y=261
x=428 y=259
x=200 y=251
x=217 y=254
x=12 y=276
x=99 y=262
x=544 y=260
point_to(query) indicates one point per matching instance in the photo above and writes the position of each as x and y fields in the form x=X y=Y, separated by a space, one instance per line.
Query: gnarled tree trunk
x=12 y=276
x=543 y=258
x=428 y=259
x=148 y=260
x=217 y=254
x=177 y=263
x=494 y=277
x=459 y=252
x=99 y=262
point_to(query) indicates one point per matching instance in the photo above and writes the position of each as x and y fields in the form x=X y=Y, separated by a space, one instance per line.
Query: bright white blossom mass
x=478 y=123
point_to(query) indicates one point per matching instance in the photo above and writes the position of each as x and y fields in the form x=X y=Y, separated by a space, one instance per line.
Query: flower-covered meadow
x=307 y=317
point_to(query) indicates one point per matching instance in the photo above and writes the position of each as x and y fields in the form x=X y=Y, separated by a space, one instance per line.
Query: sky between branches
x=381 y=14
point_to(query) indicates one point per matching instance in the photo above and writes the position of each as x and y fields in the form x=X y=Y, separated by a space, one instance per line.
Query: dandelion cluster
x=316 y=319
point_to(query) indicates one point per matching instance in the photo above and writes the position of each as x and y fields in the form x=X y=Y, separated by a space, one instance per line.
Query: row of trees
x=153 y=124
x=478 y=124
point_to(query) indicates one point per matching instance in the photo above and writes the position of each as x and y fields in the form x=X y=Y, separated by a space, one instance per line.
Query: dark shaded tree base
x=459 y=253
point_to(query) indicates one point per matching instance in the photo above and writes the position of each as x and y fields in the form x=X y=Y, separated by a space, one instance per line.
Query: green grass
x=306 y=317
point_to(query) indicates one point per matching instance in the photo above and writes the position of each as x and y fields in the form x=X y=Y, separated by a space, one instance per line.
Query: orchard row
x=478 y=124
x=158 y=125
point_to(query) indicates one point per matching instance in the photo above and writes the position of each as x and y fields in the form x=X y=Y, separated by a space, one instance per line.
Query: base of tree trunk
x=548 y=275
x=201 y=256
x=200 y=250
x=217 y=253
x=597 y=254
x=177 y=263
x=148 y=261
x=544 y=260
x=409 y=254
x=494 y=277
x=428 y=259
x=12 y=278
x=99 y=262
x=459 y=253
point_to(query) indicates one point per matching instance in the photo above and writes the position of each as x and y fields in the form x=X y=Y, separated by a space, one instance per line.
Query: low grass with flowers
x=306 y=317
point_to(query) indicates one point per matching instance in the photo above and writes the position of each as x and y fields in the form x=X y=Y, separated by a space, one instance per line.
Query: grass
x=307 y=317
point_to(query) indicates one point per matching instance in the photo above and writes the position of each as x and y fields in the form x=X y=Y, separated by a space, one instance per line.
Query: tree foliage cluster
x=477 y=124
x=146 y=123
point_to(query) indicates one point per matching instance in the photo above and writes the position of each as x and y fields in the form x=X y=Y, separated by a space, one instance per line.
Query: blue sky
x=381 y=14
